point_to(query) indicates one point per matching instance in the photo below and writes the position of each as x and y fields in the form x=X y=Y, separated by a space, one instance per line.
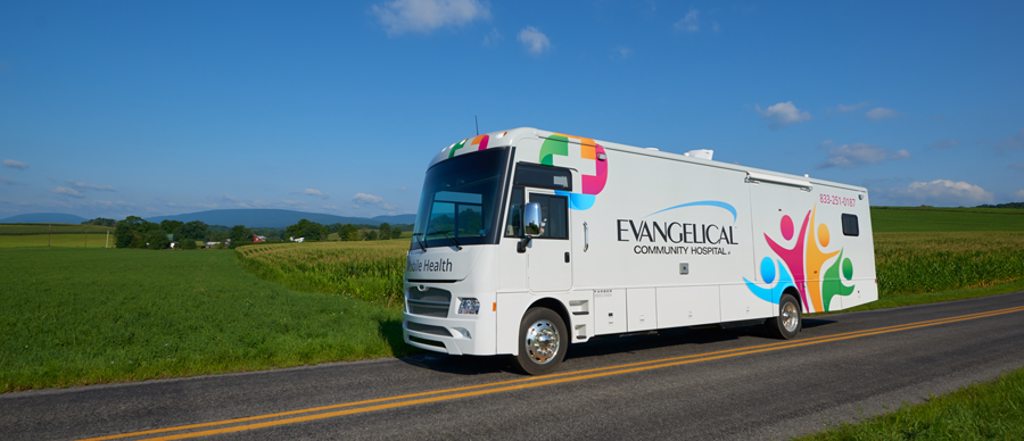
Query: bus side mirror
x=531 y=225
x=532 y=220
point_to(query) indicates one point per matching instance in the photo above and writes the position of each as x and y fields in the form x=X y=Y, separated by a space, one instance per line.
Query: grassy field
x=989 y=411
x=56 y=235
x=80 y=316
x=899 y=219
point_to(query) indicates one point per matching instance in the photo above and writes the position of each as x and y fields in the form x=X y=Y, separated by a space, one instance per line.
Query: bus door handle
x=566 y=257
x=586 y=237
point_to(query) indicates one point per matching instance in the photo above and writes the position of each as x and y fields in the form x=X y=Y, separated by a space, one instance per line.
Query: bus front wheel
x=543 y=341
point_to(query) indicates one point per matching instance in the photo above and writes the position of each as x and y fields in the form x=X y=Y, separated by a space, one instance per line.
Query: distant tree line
x=310 y=230
x=136 y=232
x=101 y=221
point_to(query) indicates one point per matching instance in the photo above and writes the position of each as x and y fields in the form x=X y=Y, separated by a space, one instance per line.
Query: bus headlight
x=469 y=306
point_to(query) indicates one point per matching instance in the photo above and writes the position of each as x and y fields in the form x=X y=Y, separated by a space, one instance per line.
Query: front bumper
x=455 y=336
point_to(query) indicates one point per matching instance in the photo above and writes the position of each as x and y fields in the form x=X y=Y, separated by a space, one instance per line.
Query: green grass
x=988 y=411
x=62 y=240
x=6 y=229
x=82 y=316
x=55 y=235
x=900 y=219
x=371 y=271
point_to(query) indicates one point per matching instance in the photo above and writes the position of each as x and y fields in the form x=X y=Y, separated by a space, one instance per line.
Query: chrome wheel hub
x=542 y=341
x=790 y=317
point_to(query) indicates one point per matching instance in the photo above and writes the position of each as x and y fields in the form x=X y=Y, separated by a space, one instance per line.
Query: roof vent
x=700 y=154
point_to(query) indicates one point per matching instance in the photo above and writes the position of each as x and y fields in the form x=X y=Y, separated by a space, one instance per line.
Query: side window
x=536 y=176
x=850 y=226
x=555 y=214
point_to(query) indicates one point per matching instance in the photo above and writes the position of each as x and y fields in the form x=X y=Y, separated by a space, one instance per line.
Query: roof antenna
x=476 y=123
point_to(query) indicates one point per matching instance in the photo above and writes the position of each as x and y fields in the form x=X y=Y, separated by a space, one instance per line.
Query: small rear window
x=850 y=226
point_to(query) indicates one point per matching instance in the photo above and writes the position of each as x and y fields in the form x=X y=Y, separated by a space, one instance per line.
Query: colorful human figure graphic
x=792 y=257
x=805 y=259
x=814 y=260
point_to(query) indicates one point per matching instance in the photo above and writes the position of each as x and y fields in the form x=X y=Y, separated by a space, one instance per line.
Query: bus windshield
x=461 y=200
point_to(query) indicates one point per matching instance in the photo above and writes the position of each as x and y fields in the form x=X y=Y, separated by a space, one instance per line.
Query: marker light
x=469 y=306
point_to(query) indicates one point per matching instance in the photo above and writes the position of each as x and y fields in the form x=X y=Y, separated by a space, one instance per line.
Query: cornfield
x=370 y=271
x=911 y=263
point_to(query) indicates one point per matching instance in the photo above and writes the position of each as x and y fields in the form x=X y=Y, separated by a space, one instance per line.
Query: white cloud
x=879 y=113
x=15 y=164
x=845 y=108
x=67 y=191
x=534 y=40
x=1020 y=194
x=369 y=200
x=315 y=192
x=946 y=192
x=79 y=185
x=689 y=23
x=852 y=155
x=424 y=16
x=783 y=114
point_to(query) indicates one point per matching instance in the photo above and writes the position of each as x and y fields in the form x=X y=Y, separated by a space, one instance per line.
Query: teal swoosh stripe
x=720 y=204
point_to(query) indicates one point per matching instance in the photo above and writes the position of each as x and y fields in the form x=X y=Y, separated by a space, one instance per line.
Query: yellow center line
x=434 y=396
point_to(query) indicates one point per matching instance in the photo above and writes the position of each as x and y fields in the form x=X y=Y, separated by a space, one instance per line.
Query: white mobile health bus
x=527 y=241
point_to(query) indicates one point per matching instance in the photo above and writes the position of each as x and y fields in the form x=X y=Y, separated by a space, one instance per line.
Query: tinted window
x=554 y=212
x=536 y=176
x=543 y=176
x=850 y=226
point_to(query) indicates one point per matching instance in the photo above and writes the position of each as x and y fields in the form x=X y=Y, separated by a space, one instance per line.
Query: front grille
x=431 y=302
x=429 y=329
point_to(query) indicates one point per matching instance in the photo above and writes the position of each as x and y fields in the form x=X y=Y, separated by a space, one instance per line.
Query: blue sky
x=116 y=108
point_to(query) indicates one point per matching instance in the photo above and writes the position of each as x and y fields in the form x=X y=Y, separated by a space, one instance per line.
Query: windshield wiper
x=448 y=235
x=458 y=246
x=419 y=241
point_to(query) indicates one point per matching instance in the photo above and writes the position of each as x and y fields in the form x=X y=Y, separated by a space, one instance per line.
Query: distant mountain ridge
x=43 y=218
x=276 y=218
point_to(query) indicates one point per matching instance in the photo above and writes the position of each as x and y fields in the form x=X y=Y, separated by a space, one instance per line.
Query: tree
x=171 y=227
x=370 y=235
x=101 y=221
x=396 y=233
x=240 y=235
x=131 y=232
x=194 y=230
x=348 y=232
x=156 y=239
x=384 y=231
x=307 y=229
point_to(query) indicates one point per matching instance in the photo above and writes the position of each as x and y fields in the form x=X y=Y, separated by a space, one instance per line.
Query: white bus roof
x=509 y=137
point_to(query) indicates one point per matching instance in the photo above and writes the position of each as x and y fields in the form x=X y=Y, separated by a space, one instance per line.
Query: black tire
x=776 y=326
x=540 y=358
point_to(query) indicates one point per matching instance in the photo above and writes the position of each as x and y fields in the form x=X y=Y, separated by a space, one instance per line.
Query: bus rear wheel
x=543 y=341
x=787 y=324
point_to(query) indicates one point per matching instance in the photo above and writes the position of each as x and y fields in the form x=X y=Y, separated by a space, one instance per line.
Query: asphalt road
x=687 y=384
